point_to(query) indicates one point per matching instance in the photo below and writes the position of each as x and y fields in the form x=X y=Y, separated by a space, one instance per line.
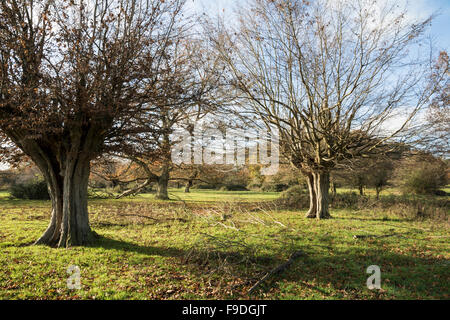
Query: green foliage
x=274 y=187
x=348 y=200
x=31 y=190
x=204 y=186
x=422 y=175
x=425 y=180
x=234 y=187
x=295 y=197
x=254 y=186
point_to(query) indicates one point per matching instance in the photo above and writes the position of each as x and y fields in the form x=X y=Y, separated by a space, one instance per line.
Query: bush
x=441 y=193
x=204 y=186
x=348 y=200
x=422 y=174
x=234 y=187
x=254 y=186
x=274 y=187
x=295 y=197
x=34 y=190
x=423 y=181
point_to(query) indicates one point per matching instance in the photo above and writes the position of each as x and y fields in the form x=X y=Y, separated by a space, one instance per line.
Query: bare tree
x=437 y=138
x=189 y=88
x=78 y=78
x=331 y=75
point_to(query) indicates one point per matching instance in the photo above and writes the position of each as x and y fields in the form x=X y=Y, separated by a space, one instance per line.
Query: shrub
x=234 y=187
x=274 y=187
x=33 y=190
x=254 y=186
x=441 y=193
x=295 y=197
x=204 y=186
x=348 y=200
x=423 y=181
x=422 y=174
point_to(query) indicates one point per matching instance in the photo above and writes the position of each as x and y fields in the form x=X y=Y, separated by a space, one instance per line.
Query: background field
x=217 y=245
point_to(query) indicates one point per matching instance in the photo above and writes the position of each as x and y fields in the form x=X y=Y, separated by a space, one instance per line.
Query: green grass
x=198 y=195
x=216 y=245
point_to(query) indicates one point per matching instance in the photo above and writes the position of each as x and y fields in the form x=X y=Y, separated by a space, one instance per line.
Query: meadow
x=217 y=244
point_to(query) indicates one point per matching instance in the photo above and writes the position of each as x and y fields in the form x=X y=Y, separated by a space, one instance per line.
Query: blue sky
x=440 y=29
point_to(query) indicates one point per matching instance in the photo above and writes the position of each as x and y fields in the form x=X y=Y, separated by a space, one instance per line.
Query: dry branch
x=277 y=270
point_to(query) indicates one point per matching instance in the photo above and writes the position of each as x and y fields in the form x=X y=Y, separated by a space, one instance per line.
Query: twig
x=152 y=218
x=362 y=236
x=277 y=270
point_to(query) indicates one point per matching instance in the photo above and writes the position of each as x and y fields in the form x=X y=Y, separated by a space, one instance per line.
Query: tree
x=78 y=78
x=438 y=113
x=190 y=88
x=329 y=75
x=380 y=174
x=421 y=173
x=375 y=171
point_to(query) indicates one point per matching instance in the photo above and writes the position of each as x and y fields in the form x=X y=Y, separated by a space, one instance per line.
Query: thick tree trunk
x=312 y=196
x=188 y=186
x=163 y=182
x=64 y=161
x=322 y=187
x=69 y=224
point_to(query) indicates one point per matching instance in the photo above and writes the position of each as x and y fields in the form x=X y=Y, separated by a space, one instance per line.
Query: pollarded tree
x=329 y=75
x=76 y=78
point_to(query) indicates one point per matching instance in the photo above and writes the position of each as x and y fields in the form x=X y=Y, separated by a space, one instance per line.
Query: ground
x=217 y=245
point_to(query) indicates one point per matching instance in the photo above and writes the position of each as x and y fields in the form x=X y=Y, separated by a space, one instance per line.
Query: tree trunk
x=188 y=186
x=163 y=182
x=64 y=161
x=361 y=190
x=322 y=187
x=378 y=190
x=333 y=187
x=69 y=224
x=312 y=196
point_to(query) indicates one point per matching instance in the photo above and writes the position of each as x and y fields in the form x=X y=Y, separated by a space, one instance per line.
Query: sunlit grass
x=216 y=245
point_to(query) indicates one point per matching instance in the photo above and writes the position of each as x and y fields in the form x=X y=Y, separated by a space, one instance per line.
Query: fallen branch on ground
x=277 y=270
x=363 y=236
x=152 y=218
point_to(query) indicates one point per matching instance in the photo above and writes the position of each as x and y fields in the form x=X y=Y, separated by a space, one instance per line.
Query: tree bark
x=66 y=169
x=163 y=182
x=312 y=196
x=188 y=186
x=378 y=190
x=333 y=186
x=322 y=187
x=69 y=224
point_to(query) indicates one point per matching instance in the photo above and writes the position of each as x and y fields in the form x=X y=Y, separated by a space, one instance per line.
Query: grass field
x=217 y=245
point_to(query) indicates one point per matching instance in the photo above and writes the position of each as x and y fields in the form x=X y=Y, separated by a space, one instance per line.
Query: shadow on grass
x=332 y=274
x=343 y=275
x=112 y=244
x=371 y=219
x=204 y=260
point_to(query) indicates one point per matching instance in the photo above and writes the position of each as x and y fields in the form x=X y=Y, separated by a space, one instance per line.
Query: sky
x=440 y=28
x=439 y=31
